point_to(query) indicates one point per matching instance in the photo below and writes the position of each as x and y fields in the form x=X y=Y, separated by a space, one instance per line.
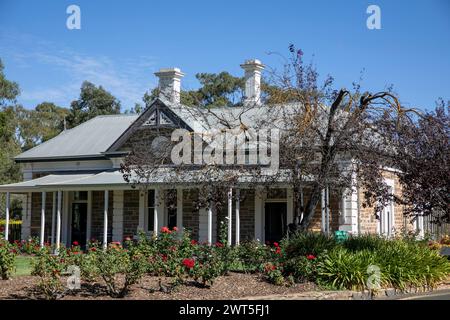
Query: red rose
x=219 y=244
x=278 y=250
x=189 y=263
x=93 y=249
x=175 y=229
x=194 y=242
x=276 y=244
x=165 y=230
x=310 y=257
x=75 y=243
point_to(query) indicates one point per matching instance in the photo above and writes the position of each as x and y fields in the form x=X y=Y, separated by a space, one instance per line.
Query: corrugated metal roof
x=49 y=180
x=164 y=176
x=90 y=138
x=93 y=137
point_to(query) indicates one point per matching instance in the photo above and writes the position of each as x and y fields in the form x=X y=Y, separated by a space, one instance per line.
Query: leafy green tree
x=9 y=146
x=41 y=124
x=134 y=110
x=9 y=90
x=93 y=101
x=216 y=90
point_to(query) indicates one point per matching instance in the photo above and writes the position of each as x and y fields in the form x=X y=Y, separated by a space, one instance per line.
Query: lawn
x=23 y=266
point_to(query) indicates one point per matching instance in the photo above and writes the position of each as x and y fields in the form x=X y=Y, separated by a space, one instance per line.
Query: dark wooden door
x=79 y=223
x=275 y=221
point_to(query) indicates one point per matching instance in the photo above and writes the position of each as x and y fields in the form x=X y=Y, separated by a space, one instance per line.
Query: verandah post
x=53 y=217
x=238 y=220
x=180 y=210
x=155 y=212
x=58 y=223
x=210 y=223
x=105 y=220
x=230 y=215
x=8 y=198
x=44 y=195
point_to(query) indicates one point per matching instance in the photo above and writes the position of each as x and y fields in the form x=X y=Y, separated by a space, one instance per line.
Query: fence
x=15 y=229
x=435 y=230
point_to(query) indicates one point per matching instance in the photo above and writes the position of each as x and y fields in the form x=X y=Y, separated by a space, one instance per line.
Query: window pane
x=150 y=215
x=80 y=196
x=171 y=199
x=172 y=218
x=151 y=198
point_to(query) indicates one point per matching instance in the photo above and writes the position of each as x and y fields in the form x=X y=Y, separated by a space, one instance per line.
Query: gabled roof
x=89 y=139
x=102 y=136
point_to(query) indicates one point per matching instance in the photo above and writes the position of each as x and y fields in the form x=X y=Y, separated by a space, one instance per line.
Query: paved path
x=437 y=295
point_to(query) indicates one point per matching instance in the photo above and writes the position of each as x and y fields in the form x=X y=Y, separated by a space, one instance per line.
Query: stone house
x=72 y=188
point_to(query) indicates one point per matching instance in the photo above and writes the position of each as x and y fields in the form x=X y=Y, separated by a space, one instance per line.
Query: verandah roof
x=114 y=179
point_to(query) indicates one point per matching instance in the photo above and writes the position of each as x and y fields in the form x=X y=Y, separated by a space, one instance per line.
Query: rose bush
x=8 y=255
x=49 y=268
x=118 y=267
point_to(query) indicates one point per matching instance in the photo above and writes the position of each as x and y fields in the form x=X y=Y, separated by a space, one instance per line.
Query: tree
x=216 y=90
x=9 y=146
x=421 y=154
x=93 y=101
x=9 y=90
x=329 y=136
x=41 y=124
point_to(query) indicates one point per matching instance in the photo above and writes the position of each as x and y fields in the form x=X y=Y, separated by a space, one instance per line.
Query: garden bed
x=174 y=266
x=233 y=286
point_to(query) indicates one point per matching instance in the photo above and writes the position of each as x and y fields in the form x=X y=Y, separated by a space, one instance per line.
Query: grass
x=23 y=266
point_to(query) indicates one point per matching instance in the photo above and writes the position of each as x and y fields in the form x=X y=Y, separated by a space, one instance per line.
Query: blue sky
x=121 y=44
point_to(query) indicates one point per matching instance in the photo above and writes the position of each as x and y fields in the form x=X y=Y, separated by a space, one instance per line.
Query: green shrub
x=408 y=264
x=209 y=265
x=306 y=243
x=343 y=269
x=301 y=268
x=251 y=255
x=226 y=254
x=30 y=246
x=364 y=242
x=401 y=264
x=48 y=268
x=115 y=261
x=8 y=255
x=274 y=274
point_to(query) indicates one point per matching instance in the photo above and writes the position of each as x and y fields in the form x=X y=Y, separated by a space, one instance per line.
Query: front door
x=79 y=223
x=275 y=221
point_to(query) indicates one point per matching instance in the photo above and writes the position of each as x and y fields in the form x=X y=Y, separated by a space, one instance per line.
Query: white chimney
x=253 y=70
x=170 y=84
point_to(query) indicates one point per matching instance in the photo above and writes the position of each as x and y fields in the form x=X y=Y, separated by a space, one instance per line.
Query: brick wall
x=367 y=217
x=130 y=212
x=190 y=214
x=98 y=208
x=36 y=204
x=316 y=222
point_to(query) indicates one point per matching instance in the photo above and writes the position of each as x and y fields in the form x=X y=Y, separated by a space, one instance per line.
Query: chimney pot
x=170 y=83
x=253 y=69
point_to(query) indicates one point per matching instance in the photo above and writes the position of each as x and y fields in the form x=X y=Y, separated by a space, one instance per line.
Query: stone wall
x=130 y=213
x=190 y=214
x=368 y=221
x=316 y=222
x=36 y=205
x=98 y=208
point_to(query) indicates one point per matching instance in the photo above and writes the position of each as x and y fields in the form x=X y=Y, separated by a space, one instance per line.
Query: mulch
x=232 y=286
